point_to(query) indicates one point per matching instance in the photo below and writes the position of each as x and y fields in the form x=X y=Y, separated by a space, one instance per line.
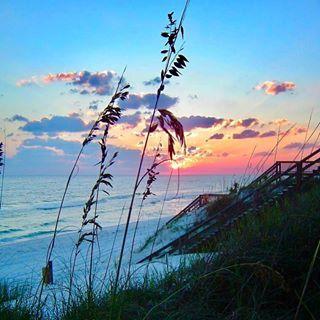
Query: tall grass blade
x=313 y=261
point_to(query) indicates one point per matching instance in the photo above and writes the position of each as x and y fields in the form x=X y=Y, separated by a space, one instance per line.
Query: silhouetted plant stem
x=3 y=153
x=110 y=116
x=172 y=37
x=73 y=265
x=134 y=236
x=94 y=234
x=255 y=171
x=101 y=119
x=307 y=140
x=134 y=195
x=306 y=135
x=52 y=243
x=247 y=167
x=315 y=142
x=91 y=135
x=111 y=251
x=276 y=152
x=95 y=226
x=104 y=178
x=311 y=267
x=160 y=216
x=146 y=193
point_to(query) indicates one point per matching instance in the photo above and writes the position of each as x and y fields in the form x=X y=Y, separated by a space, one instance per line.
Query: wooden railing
x=200 y=201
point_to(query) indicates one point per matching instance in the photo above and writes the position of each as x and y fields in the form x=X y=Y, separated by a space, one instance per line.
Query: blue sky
x=233 y=46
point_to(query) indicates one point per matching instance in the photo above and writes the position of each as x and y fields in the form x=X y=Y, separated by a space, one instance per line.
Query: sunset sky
x=254 y=70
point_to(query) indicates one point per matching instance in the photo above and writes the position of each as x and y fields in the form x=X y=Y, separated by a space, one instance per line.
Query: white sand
x=22 y=261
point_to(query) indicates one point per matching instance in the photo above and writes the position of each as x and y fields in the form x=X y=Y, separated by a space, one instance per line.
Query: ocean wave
x=78 y=204
x=36 y=234
x=32 y=203
x=9 y=231
x=56 y=206
x=27 y=236
x=48 y=224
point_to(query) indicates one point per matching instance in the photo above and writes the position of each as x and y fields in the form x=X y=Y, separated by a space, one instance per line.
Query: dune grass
x=14 y=303
x=260 y=273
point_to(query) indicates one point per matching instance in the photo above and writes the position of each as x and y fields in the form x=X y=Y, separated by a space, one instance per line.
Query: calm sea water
x=30 y=204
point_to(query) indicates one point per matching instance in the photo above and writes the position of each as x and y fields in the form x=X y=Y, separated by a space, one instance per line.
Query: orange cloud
x=274 y=87
x=63 y=76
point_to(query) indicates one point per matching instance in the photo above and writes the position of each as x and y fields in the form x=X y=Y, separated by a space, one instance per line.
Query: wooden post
x=47 y=273
x=299 y=174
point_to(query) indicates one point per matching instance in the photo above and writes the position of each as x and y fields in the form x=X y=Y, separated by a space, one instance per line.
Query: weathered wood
x=47 y=274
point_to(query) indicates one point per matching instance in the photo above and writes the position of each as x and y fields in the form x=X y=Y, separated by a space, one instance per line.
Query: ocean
x=30 y=203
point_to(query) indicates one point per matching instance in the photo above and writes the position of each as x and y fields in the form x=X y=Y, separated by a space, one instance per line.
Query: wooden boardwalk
x=199 y=202
x=279 y=181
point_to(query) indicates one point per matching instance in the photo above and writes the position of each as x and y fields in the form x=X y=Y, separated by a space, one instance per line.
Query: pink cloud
x=27 y=82
x=300 y=130
x=275 y=87
x=83 y=82
x=62 y=76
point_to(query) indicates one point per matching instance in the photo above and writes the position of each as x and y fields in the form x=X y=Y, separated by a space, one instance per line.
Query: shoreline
x=22 y=261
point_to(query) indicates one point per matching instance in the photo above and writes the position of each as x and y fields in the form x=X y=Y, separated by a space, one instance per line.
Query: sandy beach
x=22 y=261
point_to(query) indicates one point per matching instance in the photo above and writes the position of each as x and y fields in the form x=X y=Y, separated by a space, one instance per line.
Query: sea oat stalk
x=174 y=61
x=110 y=117
x=120 y=93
